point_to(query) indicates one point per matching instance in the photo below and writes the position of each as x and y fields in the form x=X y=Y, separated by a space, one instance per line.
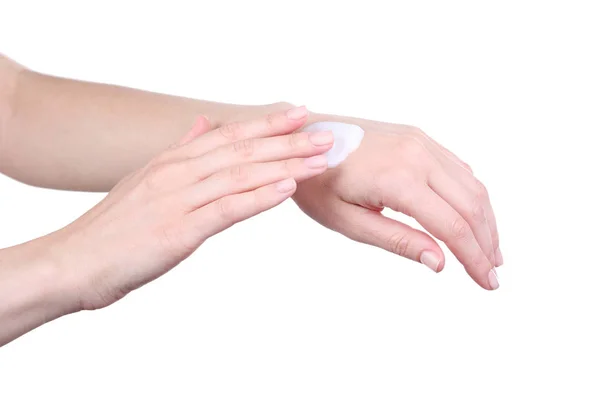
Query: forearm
x=77 y=135
x=32 y=290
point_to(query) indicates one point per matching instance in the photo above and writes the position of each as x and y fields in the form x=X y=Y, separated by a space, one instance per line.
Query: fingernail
x=321 y=138
x=499 y=258
x=297 y=113
x=493 y=279
x=319 y=161
x=286 y=185
x=430 y=259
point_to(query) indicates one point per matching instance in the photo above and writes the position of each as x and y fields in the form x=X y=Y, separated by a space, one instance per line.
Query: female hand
x=157 y=216
x=400 y=167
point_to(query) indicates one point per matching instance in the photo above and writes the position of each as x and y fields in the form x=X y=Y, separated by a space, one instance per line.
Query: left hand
x=399 y=167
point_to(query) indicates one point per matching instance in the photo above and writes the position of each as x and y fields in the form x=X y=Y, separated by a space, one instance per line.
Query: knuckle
x=191 y=169
x=481 y=192
x=244 y=147
x=154 y=177
x=459 y=229
x=231 y=131
x=413 y=149
x=226 y=209
x=258 y=200
x=297 y=140
x=478 y=212
x=270 y=120
x=239 y=173
x=399 y=243
x=287 y=169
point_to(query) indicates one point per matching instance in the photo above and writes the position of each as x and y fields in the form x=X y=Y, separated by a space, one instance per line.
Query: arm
x=164 y=211
x=32 y=289
x=85 y=136
x=68 y=134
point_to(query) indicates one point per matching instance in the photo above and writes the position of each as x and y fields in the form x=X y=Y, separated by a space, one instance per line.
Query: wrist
x=33 y=289
x=41 y=281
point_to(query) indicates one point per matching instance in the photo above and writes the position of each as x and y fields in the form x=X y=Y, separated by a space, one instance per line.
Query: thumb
x=371 y=227
x=202 y=125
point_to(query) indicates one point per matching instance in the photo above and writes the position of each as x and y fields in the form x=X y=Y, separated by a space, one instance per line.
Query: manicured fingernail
x=499 y=258
x=297 y=113
x=319 y=161
x=430 y=259
x=321 y=138
x=286 y=185
x=493 y=279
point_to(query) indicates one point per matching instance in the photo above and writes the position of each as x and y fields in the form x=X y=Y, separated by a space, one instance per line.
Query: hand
x=400 y=167
x=157 y=216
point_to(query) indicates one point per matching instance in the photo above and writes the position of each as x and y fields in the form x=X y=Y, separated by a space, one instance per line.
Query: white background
x=279 y=307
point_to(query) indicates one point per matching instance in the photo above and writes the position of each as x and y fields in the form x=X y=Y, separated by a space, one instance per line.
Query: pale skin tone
x=169 y=193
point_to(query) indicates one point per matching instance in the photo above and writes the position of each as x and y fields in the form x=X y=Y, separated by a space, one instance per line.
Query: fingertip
x=493 y=279
x=431 y=260
x=202 y=125
x=487 y=280
x=316 y=162
x=321 y=139
x=499 y=258
x=297 y=113
x=286 y=186
x=442 y=262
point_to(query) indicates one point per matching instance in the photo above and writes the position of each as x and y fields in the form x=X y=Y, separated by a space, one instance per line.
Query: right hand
x=157 y=216
x=400 y=167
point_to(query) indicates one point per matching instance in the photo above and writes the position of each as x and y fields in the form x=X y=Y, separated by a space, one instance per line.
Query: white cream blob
x=346 y=139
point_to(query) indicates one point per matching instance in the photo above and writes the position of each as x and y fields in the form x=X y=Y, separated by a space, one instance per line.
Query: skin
x=156 y=217
x=72 y=135
x=399 y=167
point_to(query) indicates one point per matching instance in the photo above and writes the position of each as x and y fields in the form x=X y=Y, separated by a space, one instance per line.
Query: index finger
x=275 y=124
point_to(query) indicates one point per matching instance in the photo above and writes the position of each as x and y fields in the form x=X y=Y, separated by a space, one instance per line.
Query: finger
x=200 y=126
x=444 y=223
x=226 y=211
x=247 y=177
x=294 y=145
x=270 y=125
x=464 y=174
x=482 y=194
x=479 y=191
x=468 y=204
x=394 y=236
